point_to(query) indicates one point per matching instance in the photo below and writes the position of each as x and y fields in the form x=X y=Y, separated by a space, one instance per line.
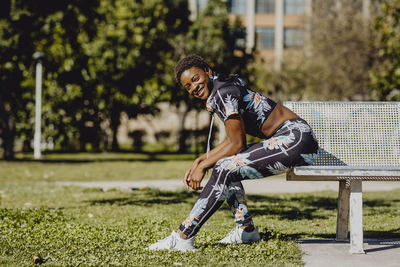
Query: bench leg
x=356 y=220
x=342 y=224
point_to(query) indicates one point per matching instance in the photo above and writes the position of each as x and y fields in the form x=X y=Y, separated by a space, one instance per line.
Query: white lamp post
x=278 y=34
x=38 y=57
x=250 y=28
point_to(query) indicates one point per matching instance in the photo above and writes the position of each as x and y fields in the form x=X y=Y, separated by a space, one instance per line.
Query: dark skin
x=196 y=82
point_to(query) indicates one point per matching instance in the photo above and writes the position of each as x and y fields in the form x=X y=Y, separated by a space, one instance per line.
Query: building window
x=294 y=37
x=265 y=38
x=265 y=6
x=293 y=7
x=237 y=6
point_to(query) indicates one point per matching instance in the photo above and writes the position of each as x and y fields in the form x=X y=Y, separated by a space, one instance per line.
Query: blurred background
x=108 y=82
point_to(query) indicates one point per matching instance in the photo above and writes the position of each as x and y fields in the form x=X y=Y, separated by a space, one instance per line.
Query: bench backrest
x=354 y=133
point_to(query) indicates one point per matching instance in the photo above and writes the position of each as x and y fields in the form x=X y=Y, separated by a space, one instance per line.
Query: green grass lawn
x=95 y=167
x=77 y=226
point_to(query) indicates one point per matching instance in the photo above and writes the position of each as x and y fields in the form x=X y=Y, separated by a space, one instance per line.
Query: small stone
x=37 y=259
x=144 y=188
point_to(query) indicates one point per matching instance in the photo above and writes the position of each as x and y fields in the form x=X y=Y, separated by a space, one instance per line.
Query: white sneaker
x=239 y=236
x=174 y=241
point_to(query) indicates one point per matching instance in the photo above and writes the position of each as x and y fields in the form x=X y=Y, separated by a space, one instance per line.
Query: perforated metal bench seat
x=359 y=141
x=340 y=173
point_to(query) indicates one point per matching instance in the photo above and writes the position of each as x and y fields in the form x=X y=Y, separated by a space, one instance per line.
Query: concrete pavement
x=378 y=252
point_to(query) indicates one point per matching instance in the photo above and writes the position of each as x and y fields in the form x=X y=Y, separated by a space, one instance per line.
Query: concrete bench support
x=359 y=141
x=342 y=225
x=356 y=219
x=350 y=203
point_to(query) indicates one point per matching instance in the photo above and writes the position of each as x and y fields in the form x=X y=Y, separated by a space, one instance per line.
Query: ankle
x=248 y=228
x=181 y=234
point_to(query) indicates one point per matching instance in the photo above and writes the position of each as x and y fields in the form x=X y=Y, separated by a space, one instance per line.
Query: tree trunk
x=182 y=135
x=196 y=140
x=8 y=145
x=8 y=131
x=105 y=133
x=115 y=121
x=82 y=142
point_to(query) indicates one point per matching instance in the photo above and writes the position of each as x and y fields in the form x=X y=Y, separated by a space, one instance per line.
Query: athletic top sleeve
x=231 y=96
x=227 y=102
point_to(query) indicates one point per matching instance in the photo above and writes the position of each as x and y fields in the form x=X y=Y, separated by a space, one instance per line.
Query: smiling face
x=195 y=81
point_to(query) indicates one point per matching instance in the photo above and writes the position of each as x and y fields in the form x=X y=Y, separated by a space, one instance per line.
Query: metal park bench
x=359 y=141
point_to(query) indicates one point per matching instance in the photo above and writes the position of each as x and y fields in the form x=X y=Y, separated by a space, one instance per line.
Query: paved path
x=272 y=185
x=385 y=253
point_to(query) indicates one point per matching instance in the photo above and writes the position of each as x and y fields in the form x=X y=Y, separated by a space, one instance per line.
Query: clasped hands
x=194 y=175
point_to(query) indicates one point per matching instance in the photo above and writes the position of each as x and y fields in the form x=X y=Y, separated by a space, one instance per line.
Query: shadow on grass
x=394 y=233
x=72 y=161
x=267 y=234
x=283 y=208
x=292 y=208
x=114 y=157
x=379 y=203
x=289 y=213
x=150 y=197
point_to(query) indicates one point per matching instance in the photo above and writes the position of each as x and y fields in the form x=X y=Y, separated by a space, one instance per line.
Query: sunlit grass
x=73 y=226
x=77 y=226
x=95 y=167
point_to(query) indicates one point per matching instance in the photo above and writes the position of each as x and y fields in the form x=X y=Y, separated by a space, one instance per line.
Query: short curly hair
x=188 y=62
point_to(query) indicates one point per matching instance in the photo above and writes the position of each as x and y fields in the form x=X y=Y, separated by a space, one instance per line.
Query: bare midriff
x=279 y=115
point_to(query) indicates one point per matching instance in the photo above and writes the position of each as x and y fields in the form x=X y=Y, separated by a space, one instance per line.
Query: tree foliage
x=213 y=36
x=102 y=58
x=54 y=27
x=386 y=73
x=126 y=56
x=335 y=61
x=341 y=53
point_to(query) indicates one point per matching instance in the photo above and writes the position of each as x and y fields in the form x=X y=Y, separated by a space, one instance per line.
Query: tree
x=219 y=42
x=54 y=27
x=386 y=72
x=127 y=58
x=340 y=56
x=341 y=52
x=102 y=58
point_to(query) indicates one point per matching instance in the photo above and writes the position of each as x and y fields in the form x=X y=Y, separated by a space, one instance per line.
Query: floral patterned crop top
x=230 y=96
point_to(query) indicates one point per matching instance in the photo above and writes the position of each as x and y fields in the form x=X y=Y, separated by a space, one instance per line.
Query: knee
x=225 y=169
x=220 y=163
x=224 y=165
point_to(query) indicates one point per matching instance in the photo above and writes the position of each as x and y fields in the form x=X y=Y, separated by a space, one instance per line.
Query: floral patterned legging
x=293 y=144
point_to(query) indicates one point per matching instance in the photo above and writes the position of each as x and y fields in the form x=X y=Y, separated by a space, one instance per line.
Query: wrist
x=202 y=166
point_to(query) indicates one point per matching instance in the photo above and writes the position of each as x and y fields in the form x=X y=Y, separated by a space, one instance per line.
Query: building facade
x=272 y=26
